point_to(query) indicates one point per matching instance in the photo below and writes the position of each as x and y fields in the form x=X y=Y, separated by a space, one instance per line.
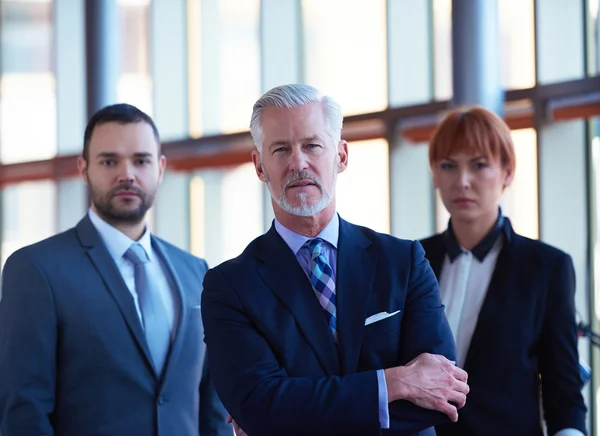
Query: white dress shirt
x=463 y=286
x=117 y=244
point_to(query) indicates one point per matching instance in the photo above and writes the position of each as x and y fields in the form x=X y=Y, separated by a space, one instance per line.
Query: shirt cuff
x=567 y=432
x=384 y=413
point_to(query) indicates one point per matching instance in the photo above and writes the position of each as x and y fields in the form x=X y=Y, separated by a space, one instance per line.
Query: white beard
x=304 y=209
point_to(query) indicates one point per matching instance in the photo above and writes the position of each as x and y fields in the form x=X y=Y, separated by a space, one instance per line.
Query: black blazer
x=526 y=331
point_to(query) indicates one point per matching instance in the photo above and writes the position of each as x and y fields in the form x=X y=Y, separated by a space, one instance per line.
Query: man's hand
x=429 y=381
x=236 y=428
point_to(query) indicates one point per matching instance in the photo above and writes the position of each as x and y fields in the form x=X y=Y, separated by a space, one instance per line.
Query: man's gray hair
x=293 y=96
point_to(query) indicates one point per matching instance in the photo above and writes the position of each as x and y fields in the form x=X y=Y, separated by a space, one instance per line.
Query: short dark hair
x=121 y=113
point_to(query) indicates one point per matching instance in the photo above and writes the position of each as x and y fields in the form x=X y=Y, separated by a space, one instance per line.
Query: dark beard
x=111 y=213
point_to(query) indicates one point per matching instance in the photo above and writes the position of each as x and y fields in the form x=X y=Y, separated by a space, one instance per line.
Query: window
x=28 y=126
x=363 y=190
x=224 y=64
x=345 y=52
x=241 y=212
x=135 y=82
x=517 y=43
x=593 y=36
x=520 y=201
x=28 y=215
x=240 y=67
x=226 y=207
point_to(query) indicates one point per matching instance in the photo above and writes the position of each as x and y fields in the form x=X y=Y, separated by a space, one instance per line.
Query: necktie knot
x=136 y=255
x=315 y=246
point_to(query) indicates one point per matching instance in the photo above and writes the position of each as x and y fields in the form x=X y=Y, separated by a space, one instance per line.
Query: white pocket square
x=379 y=316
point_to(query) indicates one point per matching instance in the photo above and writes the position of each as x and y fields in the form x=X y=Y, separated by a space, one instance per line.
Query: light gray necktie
x=154 y=313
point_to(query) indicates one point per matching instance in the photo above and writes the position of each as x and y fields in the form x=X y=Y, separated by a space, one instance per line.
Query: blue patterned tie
x=154 y=313
x=321 y=279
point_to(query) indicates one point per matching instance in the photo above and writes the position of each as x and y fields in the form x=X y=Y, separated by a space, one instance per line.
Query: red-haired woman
x=509 y=299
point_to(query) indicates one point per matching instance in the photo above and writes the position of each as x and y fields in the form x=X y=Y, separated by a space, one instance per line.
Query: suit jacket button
x=161 y=400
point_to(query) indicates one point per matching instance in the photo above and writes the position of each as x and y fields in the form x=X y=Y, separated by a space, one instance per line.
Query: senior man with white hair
x=322 y=327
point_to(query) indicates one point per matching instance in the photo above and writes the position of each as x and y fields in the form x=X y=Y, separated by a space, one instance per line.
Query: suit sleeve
x=213 y=415
x=258 y=392
x=425 y=329
x=28 y=338
x=558 y=356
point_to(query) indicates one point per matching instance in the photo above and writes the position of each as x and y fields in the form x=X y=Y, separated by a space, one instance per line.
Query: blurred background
x=197 y=66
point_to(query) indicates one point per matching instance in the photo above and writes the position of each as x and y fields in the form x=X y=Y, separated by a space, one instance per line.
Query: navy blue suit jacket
x=73 y=357
x=526 y=330
x=273 y=358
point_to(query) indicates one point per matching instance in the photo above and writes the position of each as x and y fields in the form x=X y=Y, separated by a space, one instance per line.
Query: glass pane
x=239 y=62
x=520 y=200
x=197 y=217
x=346 y=57
x=363 y=190
x=241 y=213
x=560 y=40
x=226 y=212
x=27 y=89
x=135 y=82
x=442 y=49
x=517 y=44
x=593 y=36
x=28 y=215
x=194 y=51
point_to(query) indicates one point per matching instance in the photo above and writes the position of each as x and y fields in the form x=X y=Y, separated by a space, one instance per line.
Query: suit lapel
x=113 y=280
x=354 y=280
x=435 y=253
x=282 y=273
x=493 y=308
x=182 y=302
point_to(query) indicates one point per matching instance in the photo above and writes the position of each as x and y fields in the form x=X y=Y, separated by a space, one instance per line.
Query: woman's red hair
x=475 y=131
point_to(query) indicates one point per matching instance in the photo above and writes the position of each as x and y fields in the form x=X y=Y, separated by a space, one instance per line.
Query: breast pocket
x=381 y=343
x=386 y=324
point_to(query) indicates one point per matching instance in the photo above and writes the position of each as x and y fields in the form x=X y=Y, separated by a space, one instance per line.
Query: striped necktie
x=321 y=279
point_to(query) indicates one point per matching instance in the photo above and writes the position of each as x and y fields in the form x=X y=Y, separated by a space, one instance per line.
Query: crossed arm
x=265 y=400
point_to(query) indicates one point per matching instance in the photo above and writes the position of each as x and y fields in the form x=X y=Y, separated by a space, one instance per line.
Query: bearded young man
x=322 y=327
x=100 y=328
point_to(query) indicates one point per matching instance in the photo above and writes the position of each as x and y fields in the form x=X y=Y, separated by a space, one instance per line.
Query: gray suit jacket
x=73 y=357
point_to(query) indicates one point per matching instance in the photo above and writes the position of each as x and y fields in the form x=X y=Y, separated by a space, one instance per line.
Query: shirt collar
x=118 y=242
x=295 y=241
x=481 y=250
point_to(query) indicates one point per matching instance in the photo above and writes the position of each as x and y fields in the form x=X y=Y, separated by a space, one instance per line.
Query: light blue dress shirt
x=330 y=234
x=117 y=243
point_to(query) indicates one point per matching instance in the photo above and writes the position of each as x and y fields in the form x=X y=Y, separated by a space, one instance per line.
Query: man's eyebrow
x=313 y=138
x=106 y=154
